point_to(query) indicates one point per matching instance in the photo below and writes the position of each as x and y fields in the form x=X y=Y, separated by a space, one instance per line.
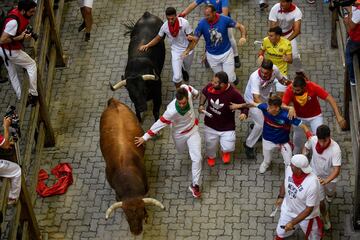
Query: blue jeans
x=349 y=58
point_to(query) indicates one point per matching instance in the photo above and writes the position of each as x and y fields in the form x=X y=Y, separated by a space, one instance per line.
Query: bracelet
x=280 y=197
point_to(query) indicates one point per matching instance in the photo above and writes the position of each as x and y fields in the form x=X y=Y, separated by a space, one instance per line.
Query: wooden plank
x=340 y=44
x=36 y=166
x=28 y=207
x=15 y=222
x=54 y=33
x=25 y=231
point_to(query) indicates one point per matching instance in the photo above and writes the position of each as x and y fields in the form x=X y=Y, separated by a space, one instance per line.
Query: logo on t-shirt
x=215 y=37
x=215 y=106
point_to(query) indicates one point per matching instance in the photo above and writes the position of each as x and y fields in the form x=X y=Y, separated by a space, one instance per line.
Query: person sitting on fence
x=16 y=29
x=352 y=22
x=10 y=169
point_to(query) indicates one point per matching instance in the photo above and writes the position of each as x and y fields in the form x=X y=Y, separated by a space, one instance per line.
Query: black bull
x=143 y=69
x=125 y=169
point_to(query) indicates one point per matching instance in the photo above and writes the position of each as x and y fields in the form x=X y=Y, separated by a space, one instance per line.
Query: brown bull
x=125 y=169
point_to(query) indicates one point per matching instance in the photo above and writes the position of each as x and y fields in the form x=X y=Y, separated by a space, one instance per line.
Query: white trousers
x=295 y=54
x=192 y=141
x=178 y=63
x=223 y=62
x=86 y=3
x=285 y=150
x=22 y=59
x=13 y=171
x=212 y=138
x=257 y=116
x=299 y=136
x=233 y=41
x=284 y=219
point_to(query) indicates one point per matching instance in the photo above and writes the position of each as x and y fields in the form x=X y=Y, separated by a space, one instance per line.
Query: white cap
x=301 y=161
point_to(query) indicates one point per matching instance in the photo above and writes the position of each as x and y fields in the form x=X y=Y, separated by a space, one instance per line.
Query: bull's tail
x=129 y=25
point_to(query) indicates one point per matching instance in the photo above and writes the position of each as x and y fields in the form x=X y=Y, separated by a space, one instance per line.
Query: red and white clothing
x=286 y=21
x=323 y=163
x=12 y=171
x=16 y=56
x=257 y=85
x=309 y=112
x=221 y=126
x=185 y=131
x=354 y=33
x=178 y=46
x=296 y=199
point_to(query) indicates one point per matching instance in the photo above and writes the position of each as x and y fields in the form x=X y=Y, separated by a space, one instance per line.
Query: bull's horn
x=149 y=77
x=118 y=85
x=153 y=201
x=112 y=208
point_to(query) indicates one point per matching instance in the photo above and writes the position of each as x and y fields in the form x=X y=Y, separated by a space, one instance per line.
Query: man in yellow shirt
x=278 y=50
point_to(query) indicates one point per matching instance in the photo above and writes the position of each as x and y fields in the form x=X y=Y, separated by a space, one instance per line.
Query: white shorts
x=284 y=219
x=327 y=190
x=213 y=137
x=223 y=62
x=86 y=3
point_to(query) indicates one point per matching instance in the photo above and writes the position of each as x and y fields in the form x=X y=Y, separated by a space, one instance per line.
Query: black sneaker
x=82 y=26
x=236 y=82
x=237 y=62
x=185 y=75
x=249 y=151
x=263 y=6
x=87 y=37
x=31 y=100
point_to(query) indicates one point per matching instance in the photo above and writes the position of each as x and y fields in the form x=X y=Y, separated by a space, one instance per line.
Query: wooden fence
x=38 y=132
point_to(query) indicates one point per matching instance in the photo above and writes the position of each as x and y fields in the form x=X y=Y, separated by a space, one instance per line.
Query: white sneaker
x=263 y=167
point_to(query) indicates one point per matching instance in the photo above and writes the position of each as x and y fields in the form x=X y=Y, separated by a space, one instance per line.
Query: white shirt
x=322 y=164
x=180 y=124
x=285 y=20
x=355 y=15
x=180 y=42
x=11 y=27
x=257 y=86
x=298 y=198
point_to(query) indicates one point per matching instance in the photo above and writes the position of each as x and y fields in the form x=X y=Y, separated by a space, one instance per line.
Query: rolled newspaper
x=207 y=113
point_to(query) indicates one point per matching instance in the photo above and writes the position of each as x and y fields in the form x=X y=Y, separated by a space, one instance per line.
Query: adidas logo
x=216 y=104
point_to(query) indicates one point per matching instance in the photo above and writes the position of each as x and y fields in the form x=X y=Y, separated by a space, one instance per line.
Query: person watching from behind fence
x=10 y=169
x=16 y=29
x=352 y=23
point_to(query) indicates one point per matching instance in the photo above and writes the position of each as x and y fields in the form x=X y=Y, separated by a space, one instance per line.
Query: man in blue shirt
x=214 y=27
x=222 y=7
x=276 y=130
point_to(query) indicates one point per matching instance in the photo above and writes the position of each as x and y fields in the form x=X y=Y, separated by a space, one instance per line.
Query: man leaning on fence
x=14 y=32
x=9 y=169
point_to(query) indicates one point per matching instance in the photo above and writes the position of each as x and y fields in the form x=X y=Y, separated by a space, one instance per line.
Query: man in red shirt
x=304 y=96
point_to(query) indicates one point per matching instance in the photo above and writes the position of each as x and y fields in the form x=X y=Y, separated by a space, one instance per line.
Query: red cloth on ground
x=63 y=172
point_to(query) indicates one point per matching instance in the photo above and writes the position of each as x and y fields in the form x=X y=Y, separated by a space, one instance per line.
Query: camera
x=30 y=30
x=15 y=123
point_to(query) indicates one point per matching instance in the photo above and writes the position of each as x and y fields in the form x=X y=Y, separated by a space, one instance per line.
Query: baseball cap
x=301 y=161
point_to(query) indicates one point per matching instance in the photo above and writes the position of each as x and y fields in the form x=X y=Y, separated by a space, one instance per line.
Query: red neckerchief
x=299 y=179
x=217 y=17
x=212 y=90
x=291 y=8
x=321 y=149
x=174 y=30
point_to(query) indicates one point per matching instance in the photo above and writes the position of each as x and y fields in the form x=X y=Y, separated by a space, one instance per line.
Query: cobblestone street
x=236 y=200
